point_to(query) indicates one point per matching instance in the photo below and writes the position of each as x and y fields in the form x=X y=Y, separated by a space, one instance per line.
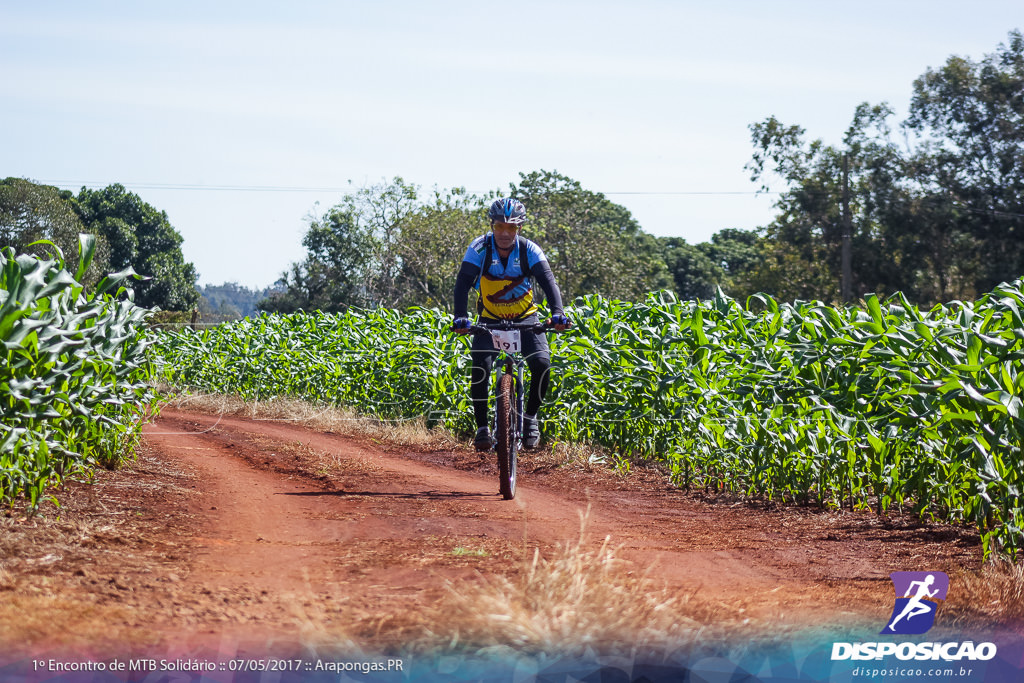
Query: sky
x=242 y=119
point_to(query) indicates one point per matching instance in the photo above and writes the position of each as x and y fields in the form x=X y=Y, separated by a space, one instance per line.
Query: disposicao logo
x=917 y=598
x=914 y=612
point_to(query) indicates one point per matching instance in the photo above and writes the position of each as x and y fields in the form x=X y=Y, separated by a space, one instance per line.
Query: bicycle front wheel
x=506 y=436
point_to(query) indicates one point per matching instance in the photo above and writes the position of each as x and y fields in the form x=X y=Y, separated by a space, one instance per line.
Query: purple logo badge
x=917 y=598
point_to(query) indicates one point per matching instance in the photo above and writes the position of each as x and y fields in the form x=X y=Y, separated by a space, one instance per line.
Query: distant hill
x=229 y=301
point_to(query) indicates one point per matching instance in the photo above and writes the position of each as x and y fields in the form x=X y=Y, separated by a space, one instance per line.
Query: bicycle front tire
x=506 y=436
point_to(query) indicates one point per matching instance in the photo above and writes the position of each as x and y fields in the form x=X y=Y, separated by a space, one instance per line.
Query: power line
x=991 y=212
x=299 y=188
x=302 y=188
x=212 y=188
x=698 y=192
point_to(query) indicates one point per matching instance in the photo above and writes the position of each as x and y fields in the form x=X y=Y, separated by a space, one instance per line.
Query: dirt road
x=231 y=532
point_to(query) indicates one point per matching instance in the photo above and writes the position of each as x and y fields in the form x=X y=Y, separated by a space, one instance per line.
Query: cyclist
x=502 y=265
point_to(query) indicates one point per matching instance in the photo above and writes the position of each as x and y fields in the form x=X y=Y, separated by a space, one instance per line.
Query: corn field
x=883 y=407
x=74 y=381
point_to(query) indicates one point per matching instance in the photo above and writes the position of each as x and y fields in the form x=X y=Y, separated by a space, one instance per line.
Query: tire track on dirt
x=371 y=537
x=257 y=535
x=396 y=497
x=286 y=509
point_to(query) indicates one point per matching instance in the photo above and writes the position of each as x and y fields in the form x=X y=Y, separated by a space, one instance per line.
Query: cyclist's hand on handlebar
x=560 y=322
x=461 y=325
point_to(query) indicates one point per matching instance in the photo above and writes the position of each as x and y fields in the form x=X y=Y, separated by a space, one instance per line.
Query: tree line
x=382 y=246
x=130 y=234
x=229 y=301
x=932 y=206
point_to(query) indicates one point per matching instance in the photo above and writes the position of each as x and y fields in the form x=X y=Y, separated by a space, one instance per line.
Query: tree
x=141 y=237
x=593 y=244
x=802 y=252
x=694 y=274
x=939 y=219
x=969 y=118
x=432 y=243
x=217 y=310
x=30 y=212
x=382 y=246
x=229 y=301
x=297 y=289
x=336 y=271
x=380 y=212
x=351 y=256
x=699 y=269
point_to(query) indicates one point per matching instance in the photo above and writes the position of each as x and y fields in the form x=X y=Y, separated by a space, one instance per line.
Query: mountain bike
x=508 y=395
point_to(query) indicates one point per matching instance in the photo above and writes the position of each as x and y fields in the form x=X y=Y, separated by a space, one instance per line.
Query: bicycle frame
x=509 y=362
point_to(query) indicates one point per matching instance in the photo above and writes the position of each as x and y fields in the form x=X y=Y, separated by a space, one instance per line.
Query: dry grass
x=318 y=620
x=993 y=595
x=410 y=433
x=580 y=601
x=26 y=623
x=321 y=418
x=49 y=536
x=576 y=455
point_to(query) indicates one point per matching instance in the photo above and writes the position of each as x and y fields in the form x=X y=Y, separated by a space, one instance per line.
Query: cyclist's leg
x=538 y=359
x=482 y=353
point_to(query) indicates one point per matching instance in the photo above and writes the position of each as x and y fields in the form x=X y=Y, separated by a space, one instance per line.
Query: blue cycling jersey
x=506 y=287
x=513 y=268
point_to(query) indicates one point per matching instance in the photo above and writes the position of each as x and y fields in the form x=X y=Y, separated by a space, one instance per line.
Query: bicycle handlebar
x=485 y=328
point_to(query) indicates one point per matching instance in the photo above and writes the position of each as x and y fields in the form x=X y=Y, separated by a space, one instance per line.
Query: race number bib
x=509 y=341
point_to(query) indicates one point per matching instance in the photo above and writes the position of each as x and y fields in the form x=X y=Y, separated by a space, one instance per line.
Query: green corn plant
x=74 y=382
x=885 y=406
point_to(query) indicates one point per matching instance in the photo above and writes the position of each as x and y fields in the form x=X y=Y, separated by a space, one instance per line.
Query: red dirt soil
x=230 y=532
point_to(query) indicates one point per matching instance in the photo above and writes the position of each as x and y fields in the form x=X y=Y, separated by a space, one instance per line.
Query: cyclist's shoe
x=531 y=432
x=482 y=441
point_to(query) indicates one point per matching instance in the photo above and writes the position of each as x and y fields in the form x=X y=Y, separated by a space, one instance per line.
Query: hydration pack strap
x=524 y=265
x=523 y=260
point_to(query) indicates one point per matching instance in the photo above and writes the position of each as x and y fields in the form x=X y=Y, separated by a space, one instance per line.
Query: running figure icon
x=915 y=607
x=914 y=612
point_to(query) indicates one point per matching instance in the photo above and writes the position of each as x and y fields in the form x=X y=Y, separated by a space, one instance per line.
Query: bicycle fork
x=508 y=366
